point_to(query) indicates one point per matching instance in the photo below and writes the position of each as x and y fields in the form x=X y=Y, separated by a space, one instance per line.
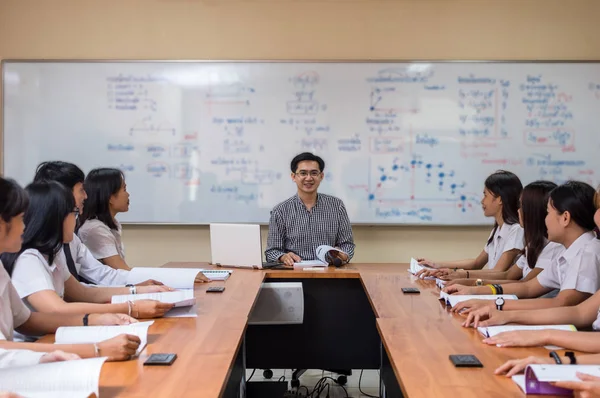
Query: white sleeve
x=93 y=270
x=549 y=276
x=31 y=275
x=522 y=262
x=514 y=239
x=18 y=358
x=19 y=310
x=99 y=240
x=583 y=273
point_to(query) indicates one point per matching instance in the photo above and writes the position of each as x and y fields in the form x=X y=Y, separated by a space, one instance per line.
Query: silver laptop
x=238 y=245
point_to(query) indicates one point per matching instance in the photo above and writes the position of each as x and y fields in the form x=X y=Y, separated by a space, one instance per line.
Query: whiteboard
x=404 y=143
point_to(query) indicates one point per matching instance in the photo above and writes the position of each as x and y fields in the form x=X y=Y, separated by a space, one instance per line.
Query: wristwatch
x=132 y=288
x=479 y=282
x=499 y=303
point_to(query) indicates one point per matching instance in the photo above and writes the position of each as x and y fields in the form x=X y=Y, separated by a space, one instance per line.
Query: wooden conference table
x=361 y=320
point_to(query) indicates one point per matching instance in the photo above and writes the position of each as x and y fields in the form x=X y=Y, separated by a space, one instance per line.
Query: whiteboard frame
x=280 y=61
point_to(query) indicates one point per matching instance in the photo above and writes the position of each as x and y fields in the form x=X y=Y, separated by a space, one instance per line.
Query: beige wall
x=302 y=29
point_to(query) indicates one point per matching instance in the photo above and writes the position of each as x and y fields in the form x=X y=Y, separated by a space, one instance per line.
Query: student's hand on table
x=201 y=278
x=150 y=282
x=438 y=273
x=515 y=366
x=458 y=289
x=518 y=338
x=463 y=282
x=290 y=258
x=588 y=387
x=119 y=348
x=4 y=394
x=110 y=319
x=149 y=308
x=58 y=356
x=486 y=316
x=468 y=306
x=154 y=289
x=427 y=263
x=454 y=275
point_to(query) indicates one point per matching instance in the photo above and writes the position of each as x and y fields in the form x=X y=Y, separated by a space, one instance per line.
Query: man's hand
x=290 y=258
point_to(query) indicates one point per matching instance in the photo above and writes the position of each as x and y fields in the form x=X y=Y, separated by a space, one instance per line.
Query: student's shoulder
x=92 y=226
x=31 y=257
x=593 y=247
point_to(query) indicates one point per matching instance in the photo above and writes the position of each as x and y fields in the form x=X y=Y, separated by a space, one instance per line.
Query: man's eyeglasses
x=312 y=173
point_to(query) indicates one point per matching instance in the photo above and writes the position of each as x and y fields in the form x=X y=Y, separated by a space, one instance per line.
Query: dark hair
x=534 y=203
x=50 y=203
x=100 y=185
x=13 y=199
x=307 y=156
x=66 y=173
x=577 y=198
x=508 y=187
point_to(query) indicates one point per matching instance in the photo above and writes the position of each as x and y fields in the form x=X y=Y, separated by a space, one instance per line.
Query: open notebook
x=184 y=300
x=452 y=300
x=491 y=331
x=416 y=267
x=70 y=379
x=177 y=278
x=96 y=334
x=537 y=378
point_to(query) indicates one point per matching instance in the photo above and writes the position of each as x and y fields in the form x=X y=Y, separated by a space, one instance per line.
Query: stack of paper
x=452 y=300
x=537 y=378
x=70 y=379
x=96 y=334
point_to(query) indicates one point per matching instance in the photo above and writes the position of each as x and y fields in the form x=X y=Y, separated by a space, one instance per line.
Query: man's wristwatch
x=479 y=282
x=499 y=303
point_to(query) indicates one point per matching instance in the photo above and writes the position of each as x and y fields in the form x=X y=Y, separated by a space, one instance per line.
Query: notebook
x=177 y=278
x=537 y=378
x=181 y=298
x=492 y=331
x=452 y=300
x=322 y=257
x=96 y=334
x=416 y=267
x=69 y=379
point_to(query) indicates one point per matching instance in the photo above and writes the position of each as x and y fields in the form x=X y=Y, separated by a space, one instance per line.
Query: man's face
x=308 y=176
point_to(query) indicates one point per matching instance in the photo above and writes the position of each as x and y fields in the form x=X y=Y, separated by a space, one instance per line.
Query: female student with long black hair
x=500 y=201
x=538 y=253
x=576 y=272
x=42 y=283
x=100 y=231
x=15 y=315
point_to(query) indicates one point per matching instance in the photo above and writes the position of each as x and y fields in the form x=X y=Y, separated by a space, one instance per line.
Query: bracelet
x=137 y=312
x=467 y=274
x=132 y=288
x=129 y=305
x=96 y=350
x=86 y=319
x=499 y=289
x=571 y=356
x=556 y=358
x=493 y=289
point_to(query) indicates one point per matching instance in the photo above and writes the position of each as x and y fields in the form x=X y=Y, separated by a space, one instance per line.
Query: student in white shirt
x=15 y=315
x=500 y=200
x=536 y=256
x=576 y=271
x=42 y=283
x=100 y=231
x=87 y=268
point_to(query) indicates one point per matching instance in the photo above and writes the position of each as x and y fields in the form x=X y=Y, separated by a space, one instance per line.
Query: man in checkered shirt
x=308 y=219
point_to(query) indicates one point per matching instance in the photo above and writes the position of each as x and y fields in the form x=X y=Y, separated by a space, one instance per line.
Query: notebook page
x=177 y=278
x=181 y=298
x=520 y=381
x=563 y=373
x=310 y=263
x=322 y=251
x=96 y=334
x=77 y=378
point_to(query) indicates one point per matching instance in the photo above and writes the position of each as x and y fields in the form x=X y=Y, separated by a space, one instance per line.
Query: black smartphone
x=466 y=361
x=160 y=359
x=410 y=290
x=215 y=289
